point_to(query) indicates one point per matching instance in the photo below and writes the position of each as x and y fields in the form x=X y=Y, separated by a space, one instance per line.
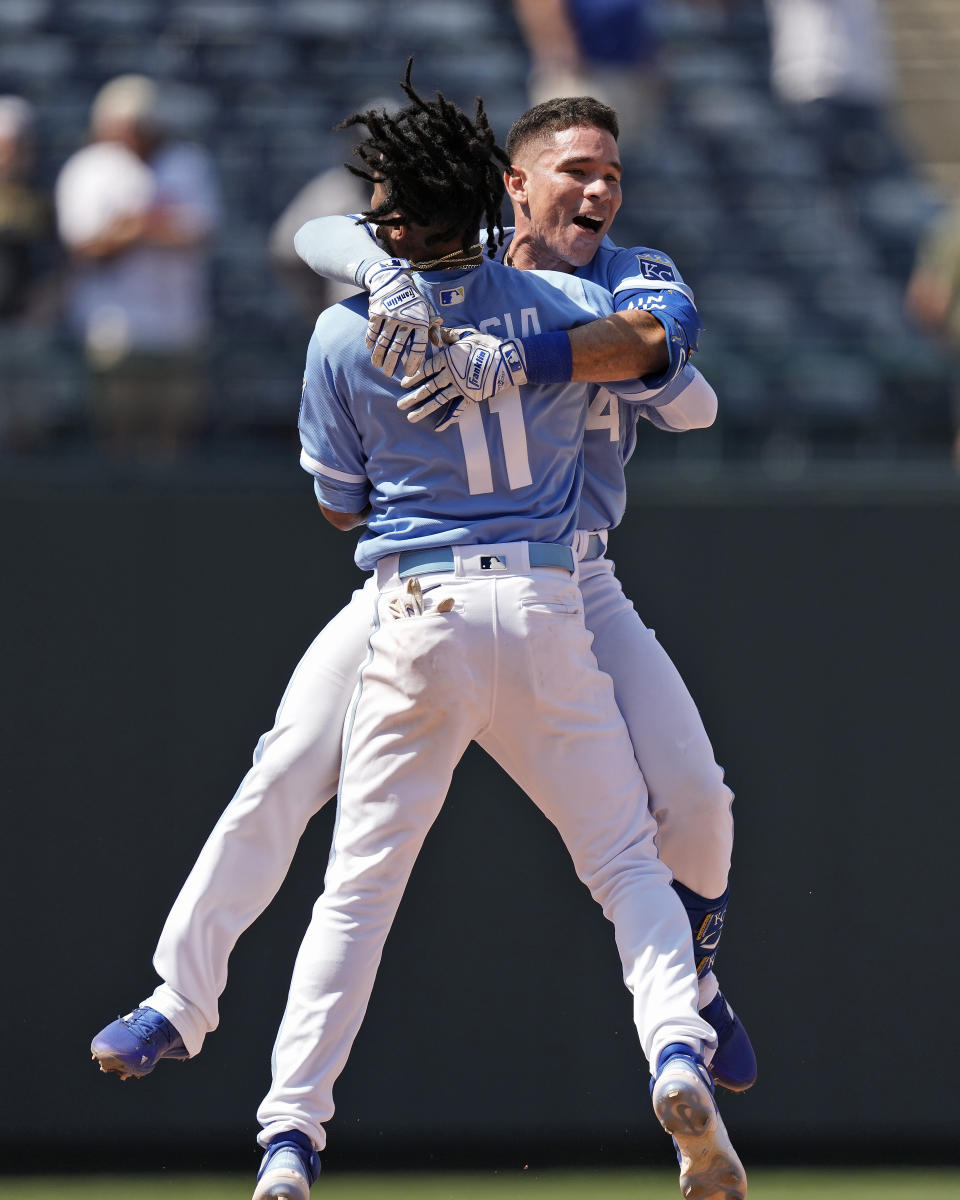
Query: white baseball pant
x=501 y=657
x=296 y=766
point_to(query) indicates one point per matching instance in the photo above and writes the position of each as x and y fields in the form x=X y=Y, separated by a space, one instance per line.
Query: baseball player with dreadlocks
x=478 y=635
x=297 y=763
x=564 y=182
x=294 y=772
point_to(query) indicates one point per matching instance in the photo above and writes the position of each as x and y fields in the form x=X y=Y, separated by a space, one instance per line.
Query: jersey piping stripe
x=638 y=283
x=341 y=476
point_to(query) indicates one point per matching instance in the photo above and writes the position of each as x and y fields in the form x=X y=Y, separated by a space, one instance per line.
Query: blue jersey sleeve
x=648 y=279
x=331 y=448
x=339 y=248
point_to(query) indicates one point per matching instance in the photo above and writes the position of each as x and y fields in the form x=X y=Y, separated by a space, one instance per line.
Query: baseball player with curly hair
x=564 y=183
x=230 y=884
x=478 y=636
x=296 y=764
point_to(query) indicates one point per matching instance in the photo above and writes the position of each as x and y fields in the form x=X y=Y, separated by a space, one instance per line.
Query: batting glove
x=400 y=323
x=474 y=367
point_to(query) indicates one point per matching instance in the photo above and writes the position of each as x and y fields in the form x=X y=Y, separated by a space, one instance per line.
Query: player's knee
x=296 y=754
x=696 y=799
x=293 y=775
x=695 y=831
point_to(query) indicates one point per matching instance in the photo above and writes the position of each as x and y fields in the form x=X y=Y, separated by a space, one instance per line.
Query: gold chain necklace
x=455 y=259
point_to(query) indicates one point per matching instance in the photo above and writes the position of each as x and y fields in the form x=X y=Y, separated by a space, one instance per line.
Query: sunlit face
x=566 y=192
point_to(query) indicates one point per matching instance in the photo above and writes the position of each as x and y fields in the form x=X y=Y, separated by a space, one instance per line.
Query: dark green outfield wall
x=148 y=636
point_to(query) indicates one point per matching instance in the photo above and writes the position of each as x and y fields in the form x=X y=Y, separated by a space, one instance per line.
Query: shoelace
x=147 y=1027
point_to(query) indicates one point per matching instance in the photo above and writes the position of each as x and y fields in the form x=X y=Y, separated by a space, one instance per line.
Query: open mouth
x=591 y=224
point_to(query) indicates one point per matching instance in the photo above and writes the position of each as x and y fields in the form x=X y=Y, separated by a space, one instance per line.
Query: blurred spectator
x=603 y=48
x=933 y=296
x=136 y=208
x=830 y=62
x=27 y=240
x=335 y=190
x=332 y=191
x=28 y=277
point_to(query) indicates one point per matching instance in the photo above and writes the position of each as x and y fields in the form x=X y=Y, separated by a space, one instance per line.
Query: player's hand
x=474 y=367
x=400 y=322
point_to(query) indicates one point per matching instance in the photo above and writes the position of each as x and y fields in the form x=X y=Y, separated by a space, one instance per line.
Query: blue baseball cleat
x=289 y=1167
x=133 y=1045
x=734 y=1065
x=683 y=1101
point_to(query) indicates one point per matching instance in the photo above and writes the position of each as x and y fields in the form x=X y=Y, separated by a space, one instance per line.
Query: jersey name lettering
x=529 y=323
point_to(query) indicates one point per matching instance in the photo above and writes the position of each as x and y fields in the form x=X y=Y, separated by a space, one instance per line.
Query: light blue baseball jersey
x=644 y=278
x=641 y=277
x=509 y=471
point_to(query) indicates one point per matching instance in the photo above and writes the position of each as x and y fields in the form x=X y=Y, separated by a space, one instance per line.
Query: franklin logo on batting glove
x=400 y=322
x=479 y=361
x=476 y=367
x=401 y=298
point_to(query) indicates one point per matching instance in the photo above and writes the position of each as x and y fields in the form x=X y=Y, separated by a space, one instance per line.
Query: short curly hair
x=438 y=168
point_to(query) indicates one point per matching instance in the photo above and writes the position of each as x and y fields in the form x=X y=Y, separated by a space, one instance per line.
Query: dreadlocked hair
x=437 y=167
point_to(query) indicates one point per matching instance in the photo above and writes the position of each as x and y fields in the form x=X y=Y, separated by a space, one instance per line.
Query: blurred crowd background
x=796 y=158
x=165 y=563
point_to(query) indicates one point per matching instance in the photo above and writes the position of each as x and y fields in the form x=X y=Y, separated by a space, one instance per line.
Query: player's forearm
x=625 y=345
x=338 y=248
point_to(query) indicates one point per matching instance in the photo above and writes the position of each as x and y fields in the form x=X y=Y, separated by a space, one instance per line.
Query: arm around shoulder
x=625 y=345
x=338 y=248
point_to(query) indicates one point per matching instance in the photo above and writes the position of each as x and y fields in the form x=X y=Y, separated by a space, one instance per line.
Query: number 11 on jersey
x=513 y=435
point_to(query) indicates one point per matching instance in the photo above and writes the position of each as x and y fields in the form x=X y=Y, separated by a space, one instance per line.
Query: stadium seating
x=800 y=287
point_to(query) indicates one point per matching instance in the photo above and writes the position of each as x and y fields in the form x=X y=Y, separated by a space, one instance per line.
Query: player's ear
x=515 y=181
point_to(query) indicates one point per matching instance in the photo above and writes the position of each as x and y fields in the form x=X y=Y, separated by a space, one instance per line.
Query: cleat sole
x=709 y=1166
x=115 y=1066
x=286 y=1185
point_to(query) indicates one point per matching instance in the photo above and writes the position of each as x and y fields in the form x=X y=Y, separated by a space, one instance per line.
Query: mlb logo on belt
x=493 y=562
x=451 y=296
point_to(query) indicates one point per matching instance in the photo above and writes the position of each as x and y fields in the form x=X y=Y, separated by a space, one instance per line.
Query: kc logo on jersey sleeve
x=652 y=266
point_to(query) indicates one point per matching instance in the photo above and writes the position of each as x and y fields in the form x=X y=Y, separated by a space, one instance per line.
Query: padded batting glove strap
x=474 y=367
x=400 y=322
